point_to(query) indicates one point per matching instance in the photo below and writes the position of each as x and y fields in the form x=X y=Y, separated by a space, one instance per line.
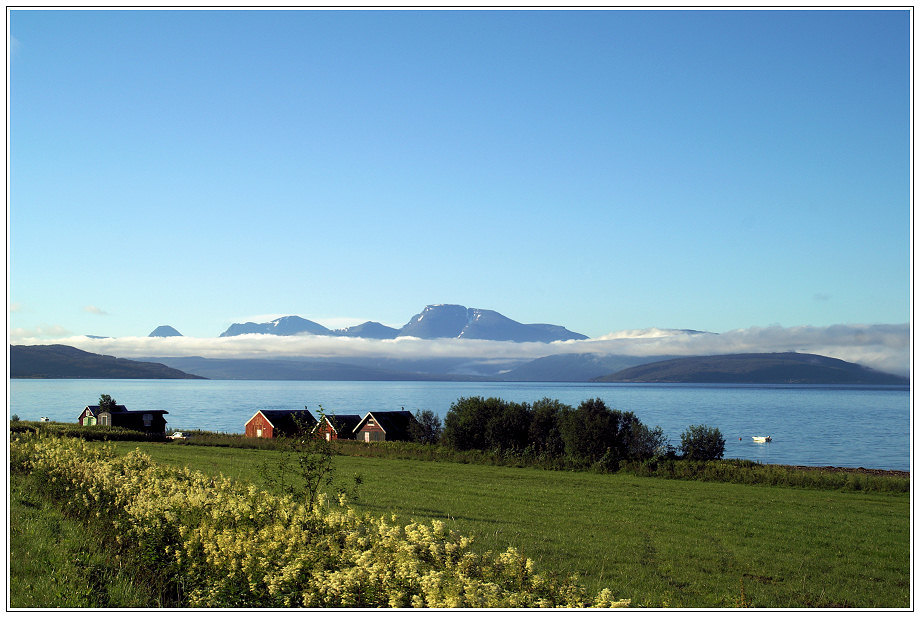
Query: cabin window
x=148 y=419
x=370 y=422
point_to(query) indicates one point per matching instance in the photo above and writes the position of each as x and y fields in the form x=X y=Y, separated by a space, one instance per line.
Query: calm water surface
x=810 y=425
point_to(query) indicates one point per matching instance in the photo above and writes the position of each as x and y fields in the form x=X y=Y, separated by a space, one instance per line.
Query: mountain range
x=434 y=322
x=60 y=361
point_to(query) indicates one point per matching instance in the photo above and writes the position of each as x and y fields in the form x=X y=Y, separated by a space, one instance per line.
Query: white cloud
x=39 y=333
x=882 y=346
x=94 y=310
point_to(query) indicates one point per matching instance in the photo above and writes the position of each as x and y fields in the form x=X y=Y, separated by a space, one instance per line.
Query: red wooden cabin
x=277 y=423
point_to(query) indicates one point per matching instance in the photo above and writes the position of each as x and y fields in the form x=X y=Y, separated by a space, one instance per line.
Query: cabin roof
x=343 y=423
x=121 y=410
x=287 y=420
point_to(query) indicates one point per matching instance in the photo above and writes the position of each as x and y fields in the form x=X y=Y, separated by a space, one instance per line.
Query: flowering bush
x=226 y=544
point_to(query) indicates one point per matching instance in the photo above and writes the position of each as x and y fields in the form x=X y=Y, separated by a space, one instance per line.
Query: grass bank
x=56 y=562
x=662 y=542
x=730 y=470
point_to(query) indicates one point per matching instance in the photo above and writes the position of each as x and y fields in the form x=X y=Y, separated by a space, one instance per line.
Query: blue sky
x=602 y=170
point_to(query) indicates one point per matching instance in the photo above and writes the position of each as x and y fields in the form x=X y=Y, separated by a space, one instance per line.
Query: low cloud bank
x=885 y=347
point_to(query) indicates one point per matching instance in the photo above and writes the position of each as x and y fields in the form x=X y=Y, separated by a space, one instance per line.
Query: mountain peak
x=368 y=330
x=287 y=325
x=459 y=322
x=165 y=331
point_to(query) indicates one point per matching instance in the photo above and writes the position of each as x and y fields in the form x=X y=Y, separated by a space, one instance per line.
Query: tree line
x=589 y=435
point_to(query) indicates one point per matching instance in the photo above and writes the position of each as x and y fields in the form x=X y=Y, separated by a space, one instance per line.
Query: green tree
x=508 y=426
x=590 y=432
x=596 y=435
x=646 y=443
x=428 y=429
x=702 y=443
x=544 y=436
x=466 y=420
x=106 y=403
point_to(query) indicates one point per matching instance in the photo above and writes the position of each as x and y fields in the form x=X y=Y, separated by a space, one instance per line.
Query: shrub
x=702 y=443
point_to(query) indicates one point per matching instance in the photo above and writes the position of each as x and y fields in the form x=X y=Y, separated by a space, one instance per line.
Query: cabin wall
x=327 y=432
x=136 y=422
x=370 y=432
x=255 y=424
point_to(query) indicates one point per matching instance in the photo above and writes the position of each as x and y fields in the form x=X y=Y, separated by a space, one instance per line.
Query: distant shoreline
x=872 y=471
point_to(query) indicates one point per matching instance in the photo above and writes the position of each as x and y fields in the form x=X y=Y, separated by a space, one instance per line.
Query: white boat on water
x=762 y=438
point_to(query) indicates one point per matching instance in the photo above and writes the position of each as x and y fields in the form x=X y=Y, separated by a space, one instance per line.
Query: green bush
x=702 y=443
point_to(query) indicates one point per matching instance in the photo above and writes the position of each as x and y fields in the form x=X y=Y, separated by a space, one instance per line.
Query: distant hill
x=774 y=368
x=368 y=330
x=574 y=367
x=434 y=322
x=165 y=331
x=62 y=361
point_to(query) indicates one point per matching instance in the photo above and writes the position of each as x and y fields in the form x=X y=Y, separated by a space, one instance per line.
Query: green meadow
x=660 y=542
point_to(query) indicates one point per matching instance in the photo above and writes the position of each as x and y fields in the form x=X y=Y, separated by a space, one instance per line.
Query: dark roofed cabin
x=386 y=426
x=277 y=423
x=148 y=421
x=338 y=426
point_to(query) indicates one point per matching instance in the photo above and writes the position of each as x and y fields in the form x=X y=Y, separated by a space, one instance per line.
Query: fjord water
x=849 y=426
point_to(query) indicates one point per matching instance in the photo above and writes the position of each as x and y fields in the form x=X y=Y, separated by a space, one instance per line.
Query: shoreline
x=860 y=470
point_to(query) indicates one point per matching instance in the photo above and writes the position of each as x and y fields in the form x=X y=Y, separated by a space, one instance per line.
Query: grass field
x=663 y=543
